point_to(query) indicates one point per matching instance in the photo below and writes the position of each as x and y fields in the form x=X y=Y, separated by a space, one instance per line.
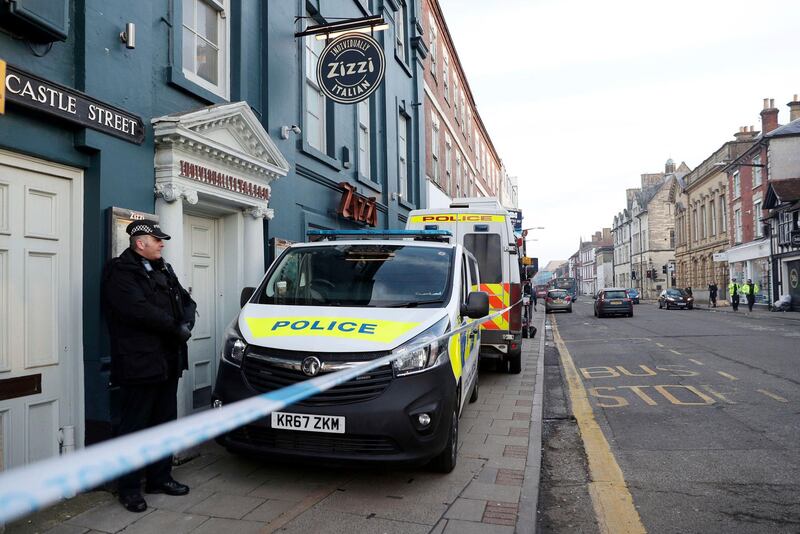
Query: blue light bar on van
x=421 y=234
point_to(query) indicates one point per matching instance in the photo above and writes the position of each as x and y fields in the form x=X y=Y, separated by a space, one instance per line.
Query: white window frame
x=435 y=174
x=459 y=182
x=757 y=175
x=723 y=214
x=446 y=77
x=364 y=141
x=433 y=44
x=448 y=162
x=313 y=48
x=400 y=32
x=223 y=47
x=757 y=230
x=402 y=155
x=737 y=225
x=737 y=185
x=456 y=111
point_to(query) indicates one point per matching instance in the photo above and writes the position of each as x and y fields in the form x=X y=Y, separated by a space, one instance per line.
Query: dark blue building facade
x=236 y=154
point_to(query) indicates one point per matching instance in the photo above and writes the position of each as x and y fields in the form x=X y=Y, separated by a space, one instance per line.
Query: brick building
x=461 y=159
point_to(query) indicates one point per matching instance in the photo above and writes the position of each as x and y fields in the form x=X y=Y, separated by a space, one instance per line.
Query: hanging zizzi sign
x=351 y=68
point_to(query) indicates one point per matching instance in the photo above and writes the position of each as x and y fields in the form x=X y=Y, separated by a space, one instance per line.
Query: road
x=700 y=412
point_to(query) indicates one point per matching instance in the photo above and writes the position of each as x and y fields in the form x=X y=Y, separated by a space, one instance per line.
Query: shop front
x=214 y=169
x=752 y=261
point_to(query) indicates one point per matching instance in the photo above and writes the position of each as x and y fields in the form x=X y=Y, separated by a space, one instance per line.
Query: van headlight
x=234 y=347
x=428 y=352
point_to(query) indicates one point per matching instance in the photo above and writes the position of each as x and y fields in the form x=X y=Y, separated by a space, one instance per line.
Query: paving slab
x=166 y=522
x=109 y=517
x=217 y=525
x=455 y=526
x=466 y=509
x=491 y=492
x=342 y=523
x=226 y=506
x=269 y=510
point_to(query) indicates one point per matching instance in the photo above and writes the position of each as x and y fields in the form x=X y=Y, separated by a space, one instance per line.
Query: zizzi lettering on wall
x=223 y=181
x=36 y=93
x=351 y=68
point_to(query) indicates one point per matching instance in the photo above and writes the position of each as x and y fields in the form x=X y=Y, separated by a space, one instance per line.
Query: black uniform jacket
x=144 y=312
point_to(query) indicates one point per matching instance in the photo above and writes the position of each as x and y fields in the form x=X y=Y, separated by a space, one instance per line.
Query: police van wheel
x=515 y=364
x=445 y=462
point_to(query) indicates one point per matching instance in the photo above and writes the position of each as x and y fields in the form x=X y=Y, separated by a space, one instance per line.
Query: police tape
x=30 y=488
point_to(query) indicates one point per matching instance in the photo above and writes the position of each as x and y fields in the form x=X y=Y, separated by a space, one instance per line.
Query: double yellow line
x=611 y=499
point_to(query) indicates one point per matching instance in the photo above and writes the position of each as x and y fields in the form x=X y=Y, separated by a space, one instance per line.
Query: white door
x=36 y=386
x=200 y=265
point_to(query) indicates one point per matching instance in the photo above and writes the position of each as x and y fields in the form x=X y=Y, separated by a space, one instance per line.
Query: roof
x=782 y=192
x=793 y=128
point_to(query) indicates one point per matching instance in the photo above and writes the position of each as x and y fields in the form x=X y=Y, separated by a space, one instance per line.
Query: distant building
x=595 y=256
x=460 y=158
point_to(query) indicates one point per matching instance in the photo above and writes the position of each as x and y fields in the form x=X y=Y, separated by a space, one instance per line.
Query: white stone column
x=254 y=244
x=169 y=208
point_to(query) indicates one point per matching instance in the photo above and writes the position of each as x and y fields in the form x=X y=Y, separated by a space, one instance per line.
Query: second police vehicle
x=335 y=303
x=484 y=228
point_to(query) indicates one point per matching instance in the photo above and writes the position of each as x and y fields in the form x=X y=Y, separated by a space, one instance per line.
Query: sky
x=581 y=97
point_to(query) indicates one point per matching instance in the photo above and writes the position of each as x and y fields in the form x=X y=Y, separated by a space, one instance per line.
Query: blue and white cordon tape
x=30 y=488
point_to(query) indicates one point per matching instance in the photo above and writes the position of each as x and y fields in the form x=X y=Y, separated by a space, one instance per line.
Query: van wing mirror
x=477 y=305
x=245 y=295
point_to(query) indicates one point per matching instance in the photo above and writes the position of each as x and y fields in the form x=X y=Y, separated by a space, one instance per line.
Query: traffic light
x=633 y=275
x=649 y=273
x=664 y=269
x=653 y=274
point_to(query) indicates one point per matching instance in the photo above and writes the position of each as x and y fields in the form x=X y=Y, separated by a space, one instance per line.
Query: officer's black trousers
x=751 y=299
x=142 y=407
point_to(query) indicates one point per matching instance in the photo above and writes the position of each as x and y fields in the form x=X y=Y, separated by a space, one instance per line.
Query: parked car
x=612 y=301
x=633 y=294
x=541 y=291
x=558 y=299
x=675 y=298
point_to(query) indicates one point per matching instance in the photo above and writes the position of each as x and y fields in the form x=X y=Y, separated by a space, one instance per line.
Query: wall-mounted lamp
x=129 y=35
x=286 y=129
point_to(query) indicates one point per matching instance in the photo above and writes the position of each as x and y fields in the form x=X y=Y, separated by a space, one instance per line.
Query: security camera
x=286 y=129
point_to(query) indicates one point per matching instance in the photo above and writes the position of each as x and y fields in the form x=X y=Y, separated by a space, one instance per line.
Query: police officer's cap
x=146 y=227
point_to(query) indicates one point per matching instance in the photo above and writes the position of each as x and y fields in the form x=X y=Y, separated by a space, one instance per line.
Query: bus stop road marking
x=697 y=362
x=772 y=395
x=727 y=375
x=611 y=499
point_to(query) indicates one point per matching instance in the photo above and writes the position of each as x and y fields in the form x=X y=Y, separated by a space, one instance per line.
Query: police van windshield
x=361 y=276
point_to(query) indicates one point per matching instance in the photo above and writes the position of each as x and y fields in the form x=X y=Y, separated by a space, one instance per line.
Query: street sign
x=719 y=256
x=351 y=68
x=795 y=239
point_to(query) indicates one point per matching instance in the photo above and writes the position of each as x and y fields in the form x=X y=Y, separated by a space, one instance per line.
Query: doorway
x=201 y=268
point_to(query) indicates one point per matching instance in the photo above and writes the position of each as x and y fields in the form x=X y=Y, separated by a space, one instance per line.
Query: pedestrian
x=533 y=297
x=712 y=294
x=150 y=317
x=689 y=291
x=733 y=291
x=750 y=289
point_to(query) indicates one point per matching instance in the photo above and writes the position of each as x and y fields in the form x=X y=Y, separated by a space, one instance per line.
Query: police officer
x=149 y=317
x=712 y=294
x=733 y=291
x=750 y=290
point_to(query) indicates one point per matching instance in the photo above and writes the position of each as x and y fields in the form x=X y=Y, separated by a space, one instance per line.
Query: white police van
x=484 y=227
x=333 y=304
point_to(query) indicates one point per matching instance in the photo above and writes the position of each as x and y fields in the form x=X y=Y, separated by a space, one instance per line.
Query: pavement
x=759 y=310
x=494 y=488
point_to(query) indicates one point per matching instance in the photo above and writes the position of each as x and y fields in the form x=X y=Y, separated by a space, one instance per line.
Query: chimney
x=769 y=116
x=744 y=134
x=794 y=109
